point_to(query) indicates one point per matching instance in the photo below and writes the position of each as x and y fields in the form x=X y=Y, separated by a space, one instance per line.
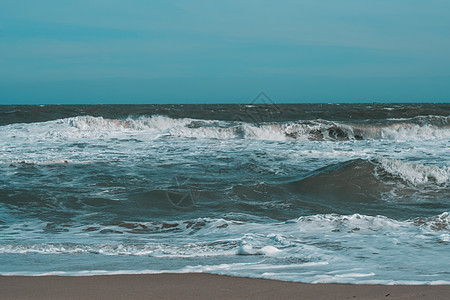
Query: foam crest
x=159 y=124
x=315 y=130
x=437 y=223
x=363 y=224
x=414 y=173
x=322 y=130
x=413 y=132
x=300 y=130
x=347 y=224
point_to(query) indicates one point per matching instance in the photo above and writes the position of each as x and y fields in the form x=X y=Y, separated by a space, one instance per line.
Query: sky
x=199 y=51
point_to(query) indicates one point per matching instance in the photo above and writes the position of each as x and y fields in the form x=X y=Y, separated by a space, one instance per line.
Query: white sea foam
x=415 y=173
x=157 y=126
x=348 y=224
x=318 y=248
x=240 y=271
x=237 y=238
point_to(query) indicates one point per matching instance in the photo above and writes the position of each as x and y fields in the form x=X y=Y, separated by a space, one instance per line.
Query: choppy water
x=311 y=193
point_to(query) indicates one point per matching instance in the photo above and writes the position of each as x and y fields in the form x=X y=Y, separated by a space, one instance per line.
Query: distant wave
x=430 y=127
x=417 y=128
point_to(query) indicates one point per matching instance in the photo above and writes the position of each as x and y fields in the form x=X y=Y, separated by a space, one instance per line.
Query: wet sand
x=200 y=286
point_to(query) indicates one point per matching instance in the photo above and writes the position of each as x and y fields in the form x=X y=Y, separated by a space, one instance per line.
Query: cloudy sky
x=198 y=51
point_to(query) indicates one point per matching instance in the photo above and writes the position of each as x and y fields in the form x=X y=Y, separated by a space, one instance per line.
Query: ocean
x=349 y=193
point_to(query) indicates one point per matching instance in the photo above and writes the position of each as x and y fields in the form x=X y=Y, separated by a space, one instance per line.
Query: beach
x=200 y=286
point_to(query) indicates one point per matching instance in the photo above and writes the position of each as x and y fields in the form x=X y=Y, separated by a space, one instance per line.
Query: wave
x=232 y=237
x=415 y=174
x=363 y=224
x=315 y=130
x=351 y=181
x=418 y=128
x=237 y=237
x=385 y=169
x=425 y=120
x=367 y=181
x=352 y=248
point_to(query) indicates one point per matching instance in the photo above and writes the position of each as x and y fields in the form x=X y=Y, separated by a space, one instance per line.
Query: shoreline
x=200 y=286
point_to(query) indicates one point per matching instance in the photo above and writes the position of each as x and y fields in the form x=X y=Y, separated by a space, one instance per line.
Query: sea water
x=310 y=193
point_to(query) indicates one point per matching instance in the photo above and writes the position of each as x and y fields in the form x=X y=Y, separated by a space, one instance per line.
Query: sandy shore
x=199 y=286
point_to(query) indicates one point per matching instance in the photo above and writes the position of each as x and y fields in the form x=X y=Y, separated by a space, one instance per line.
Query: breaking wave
x=415 y=174
x=368 y=181
x=419 y=128
x=383 y=169
x=300 y=130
